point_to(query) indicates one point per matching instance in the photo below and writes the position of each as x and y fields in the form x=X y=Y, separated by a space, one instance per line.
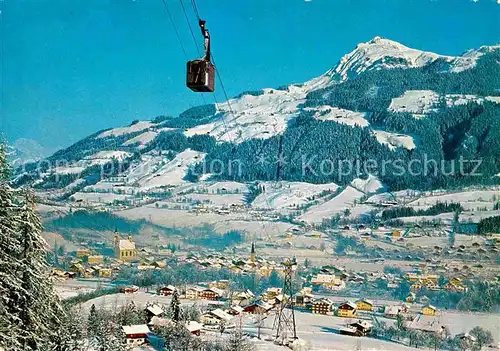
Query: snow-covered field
x=340 y=115
x=103 y=157
x=394 y=140
x=174 y=171
x=260 y=117
x=337 y=205
x=486 y=196
x=418 y=102
x=421 y=102
x=370 y=185
x=99 y=198
x=142 y=139
x=289 y=194
x=137 y=127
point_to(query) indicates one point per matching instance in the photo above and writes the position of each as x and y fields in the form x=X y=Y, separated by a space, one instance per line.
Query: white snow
x=469 y=59
x=337 y=205
x=422 y=102
x=173 y=172
x=461 y=99
x=418 y=102
x=258 y=117
x=465 y=196
x=394 y=140
x=103 y=157
x=340 y=115
x=137 y=127
x=495 y=99
x=380 y=53
x=142 y=139
x=369 y=186
x=69 y=169
x=99 y=198
x=289 y=194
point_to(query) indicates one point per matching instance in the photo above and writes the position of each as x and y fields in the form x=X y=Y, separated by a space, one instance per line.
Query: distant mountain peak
x=382 y=53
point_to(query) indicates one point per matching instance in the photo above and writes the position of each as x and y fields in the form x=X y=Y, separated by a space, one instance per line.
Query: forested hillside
x=457 y=133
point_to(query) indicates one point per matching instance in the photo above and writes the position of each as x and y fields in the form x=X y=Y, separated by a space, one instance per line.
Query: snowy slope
x=380 y=53
x=469 y=59
x=137 y=127
x=421 y=102
x=103 y=157
x=173 y=172
x=394 y=140
x=369 y=186
x=261 y=116
x=340 y=115
x=289 y=194
x=335 y=206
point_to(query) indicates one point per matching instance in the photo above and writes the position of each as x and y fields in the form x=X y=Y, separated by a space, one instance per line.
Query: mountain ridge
x=359 y=96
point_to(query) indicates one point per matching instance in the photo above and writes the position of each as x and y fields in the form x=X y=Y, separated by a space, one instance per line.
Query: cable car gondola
x=200 y=75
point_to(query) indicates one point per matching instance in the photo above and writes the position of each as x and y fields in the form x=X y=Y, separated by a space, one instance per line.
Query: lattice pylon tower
x=284 y=322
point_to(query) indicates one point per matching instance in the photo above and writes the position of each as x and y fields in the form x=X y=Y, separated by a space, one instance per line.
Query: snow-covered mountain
x=157 y=157
x=266 y=113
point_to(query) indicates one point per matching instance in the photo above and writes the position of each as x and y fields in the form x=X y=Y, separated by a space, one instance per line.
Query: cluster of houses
x=223 y=308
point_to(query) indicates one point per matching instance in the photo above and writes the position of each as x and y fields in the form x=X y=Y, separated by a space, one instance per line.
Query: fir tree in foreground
x=31 y=313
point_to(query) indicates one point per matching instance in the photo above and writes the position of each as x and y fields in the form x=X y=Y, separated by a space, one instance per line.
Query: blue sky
x=71 y=68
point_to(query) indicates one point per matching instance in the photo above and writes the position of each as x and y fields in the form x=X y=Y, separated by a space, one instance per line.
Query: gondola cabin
x=201 y=72
x=200 y=76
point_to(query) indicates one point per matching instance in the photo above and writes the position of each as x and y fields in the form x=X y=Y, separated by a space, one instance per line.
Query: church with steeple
x=124 y=248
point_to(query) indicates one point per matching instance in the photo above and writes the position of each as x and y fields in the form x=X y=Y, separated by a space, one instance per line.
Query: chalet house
x=423 y=299
x=129 y=289
x=217 y=316
x=324 y=279
x=235 y=310
x=194 y=327
x=428 y=324
x=219 y=284
x=56 y=272
x=303 y=299
x=455 y=287
x=210 y=294
x=322 y=306
x=213 y=305
x=193 y=293
x=429 y=310
x=166 y=290
x=273 y=292
x=392 y=311
x=95 y=259
x=359 y=328
x=70 y=275
x=154 y=311
x=416 y=287
x=243 y=297
x=160 y=322
x=136 y=335
x=82 y=253
x=77 y=268
x=410 y=298
x=364 y=305
x=105 y=272
x=347 y=309
x=258 y=308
